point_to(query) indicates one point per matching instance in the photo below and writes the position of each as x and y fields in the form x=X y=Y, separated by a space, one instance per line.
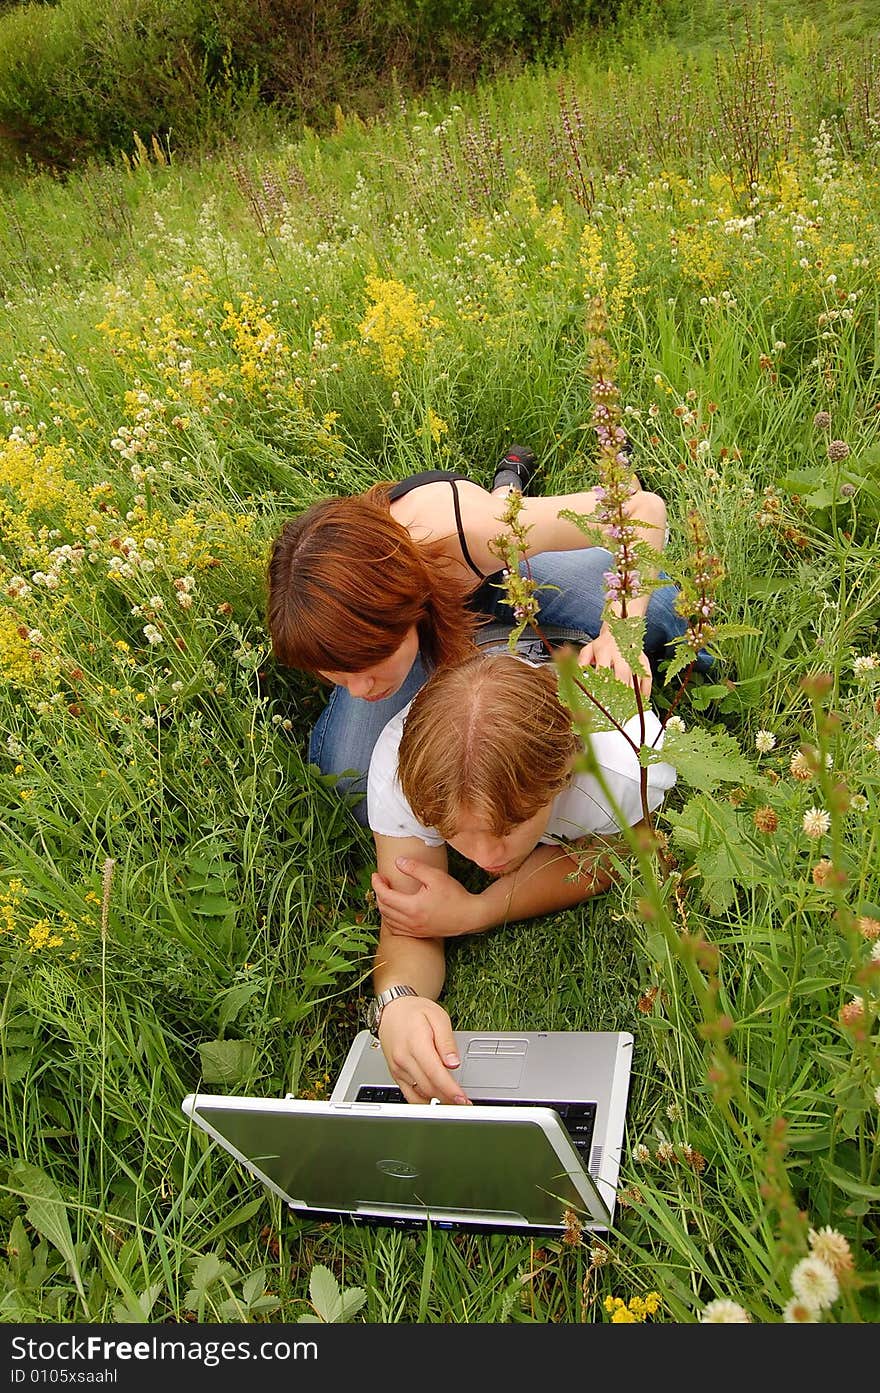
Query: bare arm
x=415 y=1032
x=482 y=517
x=442 y=908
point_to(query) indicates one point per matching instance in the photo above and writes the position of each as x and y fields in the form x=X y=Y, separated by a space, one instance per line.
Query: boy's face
x=474 y=840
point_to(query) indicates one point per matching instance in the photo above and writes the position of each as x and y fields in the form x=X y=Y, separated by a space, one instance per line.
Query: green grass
x=182 y=900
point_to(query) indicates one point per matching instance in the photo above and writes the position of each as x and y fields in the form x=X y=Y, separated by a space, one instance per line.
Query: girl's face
x=474 y=840
x=382 y=679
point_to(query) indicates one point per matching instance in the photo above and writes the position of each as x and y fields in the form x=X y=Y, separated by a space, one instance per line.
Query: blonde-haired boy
x=483 y=760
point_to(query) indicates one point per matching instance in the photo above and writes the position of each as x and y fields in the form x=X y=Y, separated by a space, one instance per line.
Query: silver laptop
x=543 y=1138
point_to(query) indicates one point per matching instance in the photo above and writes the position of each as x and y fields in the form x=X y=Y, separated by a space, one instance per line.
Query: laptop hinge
x=448 y=1216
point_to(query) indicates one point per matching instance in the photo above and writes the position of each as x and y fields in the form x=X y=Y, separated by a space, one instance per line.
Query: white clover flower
x=675 y=723
x=184 y=599
x=859 y=803
x=831 y=1247
x=800 y=1312
x=156 y=602
x=865 y=662
x=877 y=742
x=723 y=1312
x=152 y=634
x=765 y=741
x=813 y=1280
x=641 y=1153
x=816 y=822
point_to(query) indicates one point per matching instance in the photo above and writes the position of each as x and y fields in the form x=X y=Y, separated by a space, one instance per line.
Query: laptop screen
x=485 y=1167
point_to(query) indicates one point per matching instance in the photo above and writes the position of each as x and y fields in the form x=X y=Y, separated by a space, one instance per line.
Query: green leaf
x=213 y=906
x=702 y=697
x=353 y=1299
x=137 y=1309
x=720 y=632
x=234 y=1000
x=777 y=998
x=587 y=524
x=710 y=832
x=210 y=1270
x=242 y=1215
x=683 y=658
x=629 y=635
x=324 y=1292
x=612 y=700
x=703 y=759
x=849 y=1184
x=227 y=1061
x=809 y=1141
x=332 y=1305
x=18 y=1247
x=47 y=1213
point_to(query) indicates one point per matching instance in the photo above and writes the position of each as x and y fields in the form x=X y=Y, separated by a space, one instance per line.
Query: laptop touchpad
x=491 y=1062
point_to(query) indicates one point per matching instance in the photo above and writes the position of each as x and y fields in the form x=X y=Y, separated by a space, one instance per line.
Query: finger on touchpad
x=491 y=1073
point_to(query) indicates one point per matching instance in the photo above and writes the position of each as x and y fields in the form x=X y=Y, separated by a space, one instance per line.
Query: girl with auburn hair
x=485 y=760
x=375 y=591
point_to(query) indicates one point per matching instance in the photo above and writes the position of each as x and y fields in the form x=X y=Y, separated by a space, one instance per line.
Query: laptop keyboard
x=578 y=1119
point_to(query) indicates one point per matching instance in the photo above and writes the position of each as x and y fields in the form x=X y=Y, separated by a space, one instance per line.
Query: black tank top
x=485 y=596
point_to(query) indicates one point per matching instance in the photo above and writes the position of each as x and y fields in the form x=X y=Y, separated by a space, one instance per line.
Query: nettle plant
x=796 y=988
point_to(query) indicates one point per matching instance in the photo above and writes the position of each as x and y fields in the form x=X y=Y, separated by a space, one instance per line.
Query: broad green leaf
x=809 y=1141
x=253 y=1285
x=702 y=697
x=210 y=1270
x=352 y=1300
x=703 y=758
x=612 y=701
x=137 y=1309
x=46 y=1212
x=710 y=833
x=683 y=657
x=777 y=998
x=234 y=1000
x=849 y=1183
x=629 y=635
x=227 y=1061
x=324 y=1293
x=720 y=632
x=18 y=1247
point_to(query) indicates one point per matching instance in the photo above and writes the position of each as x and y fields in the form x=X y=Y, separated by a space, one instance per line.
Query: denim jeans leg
x=579 y=601
x=347 y=729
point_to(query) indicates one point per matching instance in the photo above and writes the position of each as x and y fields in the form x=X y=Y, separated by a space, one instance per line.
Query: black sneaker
x=516 y=468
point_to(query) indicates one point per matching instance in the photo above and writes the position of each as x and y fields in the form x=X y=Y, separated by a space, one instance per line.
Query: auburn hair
x=491 y=735
x=347 y=583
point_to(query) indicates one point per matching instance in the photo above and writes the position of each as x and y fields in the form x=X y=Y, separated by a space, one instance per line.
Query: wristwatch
x=376 y=1005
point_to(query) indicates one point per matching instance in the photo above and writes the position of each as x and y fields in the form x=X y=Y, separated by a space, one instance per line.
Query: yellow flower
x=437 y=426
x=395 y=323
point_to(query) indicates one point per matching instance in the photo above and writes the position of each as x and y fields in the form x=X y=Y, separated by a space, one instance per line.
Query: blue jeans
x=348 y=728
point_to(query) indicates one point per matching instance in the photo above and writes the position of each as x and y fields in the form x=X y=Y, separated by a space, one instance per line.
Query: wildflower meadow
x=191 y=350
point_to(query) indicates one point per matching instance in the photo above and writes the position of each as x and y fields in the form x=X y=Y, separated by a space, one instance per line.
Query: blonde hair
x=491 y=735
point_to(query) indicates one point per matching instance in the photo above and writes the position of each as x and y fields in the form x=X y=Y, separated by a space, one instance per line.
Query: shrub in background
x=77 y=78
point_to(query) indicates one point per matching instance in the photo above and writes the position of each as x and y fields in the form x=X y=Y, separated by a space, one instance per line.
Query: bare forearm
x=415 y=962
x=540 y=886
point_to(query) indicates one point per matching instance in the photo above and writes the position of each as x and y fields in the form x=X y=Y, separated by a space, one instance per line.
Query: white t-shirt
x=581 y=810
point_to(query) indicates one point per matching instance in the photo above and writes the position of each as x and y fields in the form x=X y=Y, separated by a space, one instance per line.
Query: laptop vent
x=595 y=1162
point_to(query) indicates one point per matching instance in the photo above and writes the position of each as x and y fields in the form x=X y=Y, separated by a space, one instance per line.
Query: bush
x=77 y=78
